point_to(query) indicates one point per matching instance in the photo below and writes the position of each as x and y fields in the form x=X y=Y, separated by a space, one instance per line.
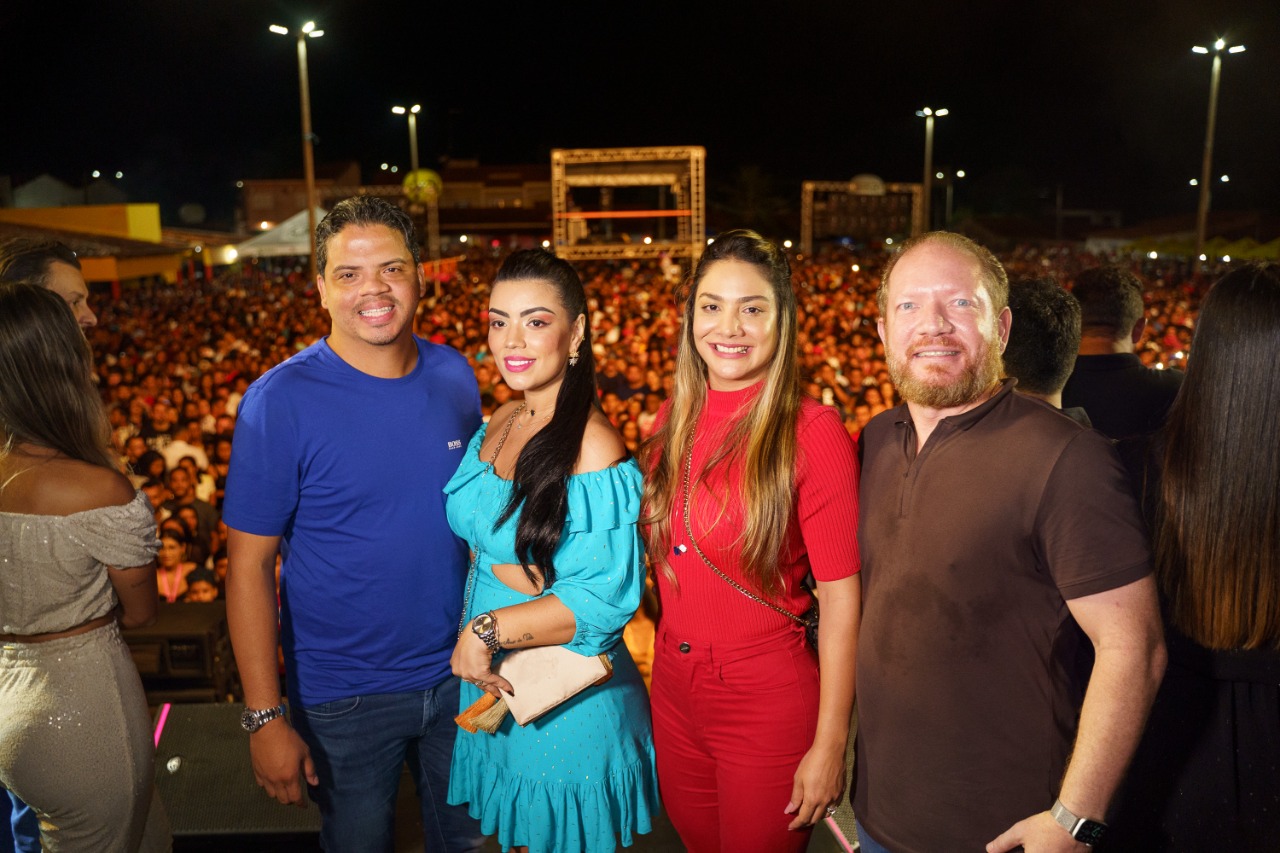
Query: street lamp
x=950 y=180
x=307 y=31
x=413 y=132
x=928 y=115
x=1202 y=213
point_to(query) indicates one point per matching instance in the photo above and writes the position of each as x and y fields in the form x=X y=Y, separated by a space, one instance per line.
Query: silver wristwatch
x=251 y=720
x=1081 y=828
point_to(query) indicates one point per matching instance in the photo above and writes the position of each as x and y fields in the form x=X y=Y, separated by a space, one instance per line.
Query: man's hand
x=280 y=760
x=1039 y=833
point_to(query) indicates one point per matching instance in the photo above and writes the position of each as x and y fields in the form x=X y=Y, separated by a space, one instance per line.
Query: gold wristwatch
x=485 y=626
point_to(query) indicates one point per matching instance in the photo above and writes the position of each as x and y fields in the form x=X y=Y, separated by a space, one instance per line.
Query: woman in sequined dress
x=77 y=549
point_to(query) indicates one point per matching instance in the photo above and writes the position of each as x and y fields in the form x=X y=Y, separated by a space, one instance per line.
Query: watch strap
x=252 y=720
x=490 y=636
x=1080 y=828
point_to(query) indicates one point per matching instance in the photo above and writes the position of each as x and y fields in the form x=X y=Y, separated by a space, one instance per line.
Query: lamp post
x=307 y=31
x=949 y=179
x=928 y=115
x=1202 y=213
x=412 y=112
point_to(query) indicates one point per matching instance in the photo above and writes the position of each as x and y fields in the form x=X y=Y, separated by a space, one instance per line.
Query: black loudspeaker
x=186 y=655
x=206 y=781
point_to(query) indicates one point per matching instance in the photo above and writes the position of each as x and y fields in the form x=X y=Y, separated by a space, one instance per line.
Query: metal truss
x=682 y=169
x=869 y=189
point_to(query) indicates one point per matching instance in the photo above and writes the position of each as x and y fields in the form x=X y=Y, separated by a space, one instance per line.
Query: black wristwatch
x=252 y=720
x=485 y=626
x=1081 y=828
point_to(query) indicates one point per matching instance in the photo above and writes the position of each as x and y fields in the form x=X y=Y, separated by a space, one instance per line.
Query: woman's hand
x=471 y=662
x=819 y=783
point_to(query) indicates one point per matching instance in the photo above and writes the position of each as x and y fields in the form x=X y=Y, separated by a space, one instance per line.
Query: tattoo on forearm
x=511 y=642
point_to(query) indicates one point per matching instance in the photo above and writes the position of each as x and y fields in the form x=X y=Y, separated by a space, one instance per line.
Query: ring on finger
x=831 y=811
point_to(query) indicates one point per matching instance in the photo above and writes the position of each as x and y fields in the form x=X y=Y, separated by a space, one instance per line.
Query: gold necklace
x=532 y=415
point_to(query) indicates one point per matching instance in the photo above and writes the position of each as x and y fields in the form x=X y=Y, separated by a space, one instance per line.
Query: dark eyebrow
x=741 y=299
x=400 y=261
x=525 y=313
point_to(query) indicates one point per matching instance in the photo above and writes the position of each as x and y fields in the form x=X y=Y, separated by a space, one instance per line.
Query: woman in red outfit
x=750 y=727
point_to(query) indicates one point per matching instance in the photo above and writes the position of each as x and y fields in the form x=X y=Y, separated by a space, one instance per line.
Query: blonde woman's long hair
x=765 y=439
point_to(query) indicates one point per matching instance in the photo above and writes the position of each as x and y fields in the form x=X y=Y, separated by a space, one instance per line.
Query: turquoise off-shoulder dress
x=582 y=776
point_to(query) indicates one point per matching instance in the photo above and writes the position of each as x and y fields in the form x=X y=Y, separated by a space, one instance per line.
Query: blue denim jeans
x=20 y=832
x=866 y=843
x=360 y=746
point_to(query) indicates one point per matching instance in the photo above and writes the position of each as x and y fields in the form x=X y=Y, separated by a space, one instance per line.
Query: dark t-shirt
x=1123 y=398
x=971 y=669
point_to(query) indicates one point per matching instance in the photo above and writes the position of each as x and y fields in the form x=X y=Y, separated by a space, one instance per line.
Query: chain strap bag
x=808 y=620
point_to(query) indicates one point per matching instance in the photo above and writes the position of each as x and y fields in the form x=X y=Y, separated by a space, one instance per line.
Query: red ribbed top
x=822 y=538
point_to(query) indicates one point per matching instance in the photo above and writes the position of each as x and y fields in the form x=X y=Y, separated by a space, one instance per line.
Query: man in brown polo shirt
x=1002 y=550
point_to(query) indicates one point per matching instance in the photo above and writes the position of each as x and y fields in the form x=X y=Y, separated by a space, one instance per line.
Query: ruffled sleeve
x=117 y=536
x=471 y=467
x=600 y=562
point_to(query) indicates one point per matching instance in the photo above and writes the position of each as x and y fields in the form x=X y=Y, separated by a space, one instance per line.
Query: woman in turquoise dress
x=548 y=500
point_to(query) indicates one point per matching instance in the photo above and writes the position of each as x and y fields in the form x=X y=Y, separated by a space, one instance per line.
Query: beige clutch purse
x=543 y=677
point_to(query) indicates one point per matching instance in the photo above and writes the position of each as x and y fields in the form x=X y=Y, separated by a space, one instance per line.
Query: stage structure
x=865 y=209
x=624 y=202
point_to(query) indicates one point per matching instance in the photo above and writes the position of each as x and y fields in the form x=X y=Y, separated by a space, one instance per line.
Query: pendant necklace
x=532 y=415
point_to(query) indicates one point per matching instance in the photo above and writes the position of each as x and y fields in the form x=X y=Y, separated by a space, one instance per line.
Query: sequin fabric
x=75 y=733
x=53 y=573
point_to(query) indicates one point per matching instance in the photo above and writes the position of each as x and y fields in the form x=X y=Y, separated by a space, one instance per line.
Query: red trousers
x=730 y=725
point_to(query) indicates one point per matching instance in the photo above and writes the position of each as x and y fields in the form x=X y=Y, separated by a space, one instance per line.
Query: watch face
x=482 y=624
x=249 y=721
x=1090 y=832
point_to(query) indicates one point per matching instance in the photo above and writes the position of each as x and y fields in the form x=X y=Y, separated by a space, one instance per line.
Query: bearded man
x=1002 y=553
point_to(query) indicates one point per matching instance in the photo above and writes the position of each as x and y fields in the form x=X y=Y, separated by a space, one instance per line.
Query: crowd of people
x=730 y=400
x=173 y=362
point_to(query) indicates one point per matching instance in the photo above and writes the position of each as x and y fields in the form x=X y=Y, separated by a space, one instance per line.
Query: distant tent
x=1264 y=252
x=290 y=237
x=1216 y=246
x=1240 y=248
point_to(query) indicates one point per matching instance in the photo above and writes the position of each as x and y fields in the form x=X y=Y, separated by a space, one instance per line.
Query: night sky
x=1104 y=98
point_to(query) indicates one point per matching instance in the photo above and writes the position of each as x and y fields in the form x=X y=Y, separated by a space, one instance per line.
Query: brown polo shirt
x=971 y=669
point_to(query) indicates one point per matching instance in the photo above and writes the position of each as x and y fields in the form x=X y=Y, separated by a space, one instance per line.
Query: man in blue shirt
x=338 y=464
